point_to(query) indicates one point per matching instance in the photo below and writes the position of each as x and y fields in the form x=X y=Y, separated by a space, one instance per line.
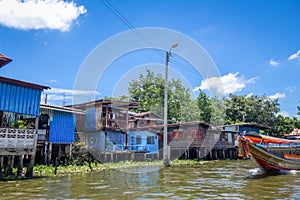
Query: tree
x=204 y=104
x=218 y=111
x=148 y=90
x=283 y=125
x=251 y=109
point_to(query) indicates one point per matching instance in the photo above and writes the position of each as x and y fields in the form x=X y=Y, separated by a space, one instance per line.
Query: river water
x=214 y=180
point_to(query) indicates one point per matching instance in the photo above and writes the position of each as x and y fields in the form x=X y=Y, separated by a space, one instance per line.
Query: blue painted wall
x=140 y=141
x=19 y=99
x=62 y=127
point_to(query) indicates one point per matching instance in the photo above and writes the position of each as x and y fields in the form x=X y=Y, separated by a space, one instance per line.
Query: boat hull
x=268 y=161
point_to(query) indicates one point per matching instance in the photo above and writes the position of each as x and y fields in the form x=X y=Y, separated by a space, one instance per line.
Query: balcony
x=16 y=140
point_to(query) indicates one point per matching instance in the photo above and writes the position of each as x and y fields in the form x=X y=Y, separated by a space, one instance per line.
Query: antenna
x=64 y=99
x=46 y=98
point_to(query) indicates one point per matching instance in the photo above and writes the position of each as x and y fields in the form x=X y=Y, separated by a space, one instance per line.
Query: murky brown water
x=215 y=180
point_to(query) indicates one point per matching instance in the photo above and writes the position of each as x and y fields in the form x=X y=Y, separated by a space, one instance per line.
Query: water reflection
x=215 y=180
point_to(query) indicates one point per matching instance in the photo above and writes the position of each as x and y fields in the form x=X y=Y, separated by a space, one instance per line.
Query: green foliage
x=80 y=153
x=205 y=107
x=21 y=124
x=218 y=111
x=120 y=98
x=251 y=109
x=286 y=124
x=148 y=90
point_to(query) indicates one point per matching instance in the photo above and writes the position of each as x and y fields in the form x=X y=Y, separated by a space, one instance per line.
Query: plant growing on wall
x=21 y=124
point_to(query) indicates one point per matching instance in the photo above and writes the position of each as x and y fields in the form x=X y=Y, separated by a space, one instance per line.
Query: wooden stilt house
x=19 y=114
x=56 y=132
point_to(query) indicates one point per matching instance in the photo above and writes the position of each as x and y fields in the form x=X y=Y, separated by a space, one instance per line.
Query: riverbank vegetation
x=51 y=170
x=95 y=166
x=148 y=90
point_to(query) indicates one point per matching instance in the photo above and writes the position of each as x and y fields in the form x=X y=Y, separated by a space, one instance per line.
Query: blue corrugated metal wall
x=62 y=127
x=19 y=99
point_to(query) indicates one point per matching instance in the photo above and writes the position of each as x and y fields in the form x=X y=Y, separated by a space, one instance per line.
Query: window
x=181 y=135
x=197 y=134
x=138 y=139
x=229 y=137
x=150 y=139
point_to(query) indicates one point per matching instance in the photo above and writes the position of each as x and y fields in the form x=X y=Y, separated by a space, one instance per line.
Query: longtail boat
x=266 y=160
x=259 y=139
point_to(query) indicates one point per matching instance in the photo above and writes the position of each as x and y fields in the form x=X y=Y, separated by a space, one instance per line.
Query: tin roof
x=61 y=108
x=4 y=60
x=109 y=103
x=180 y=124
x=23 y=83
x=148 y=113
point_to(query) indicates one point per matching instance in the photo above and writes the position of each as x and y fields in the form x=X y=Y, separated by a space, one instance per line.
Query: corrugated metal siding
x=62 y=127
x=19 y=99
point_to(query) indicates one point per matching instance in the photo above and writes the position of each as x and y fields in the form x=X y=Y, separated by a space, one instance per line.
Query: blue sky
x=255 y=45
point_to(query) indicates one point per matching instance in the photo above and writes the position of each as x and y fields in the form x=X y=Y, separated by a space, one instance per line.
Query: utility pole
x=166 y=150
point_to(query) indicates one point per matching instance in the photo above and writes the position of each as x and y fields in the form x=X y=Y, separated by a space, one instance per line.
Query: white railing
x=119 y=147
x=17 y=138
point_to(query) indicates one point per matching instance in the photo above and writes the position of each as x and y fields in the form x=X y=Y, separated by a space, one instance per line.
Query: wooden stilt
x=70 y=152
x=10 y=165
x=56 y=164
x=50 y=153
x=59 y=150
x=29 y=172
x=46 y=153
x=216 y=154
x=20 y=166
x=1 y=164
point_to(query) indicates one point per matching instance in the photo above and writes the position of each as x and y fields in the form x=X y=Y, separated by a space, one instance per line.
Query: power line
x=108 y=5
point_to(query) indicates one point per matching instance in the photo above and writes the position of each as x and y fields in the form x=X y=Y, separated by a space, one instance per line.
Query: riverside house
x=56 y=133
x=140 y=137
x=104 y=126
x=19 y=115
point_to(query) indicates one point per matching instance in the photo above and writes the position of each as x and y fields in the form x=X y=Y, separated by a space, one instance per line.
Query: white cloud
x=277 y=95
x=249 y=95
x=70 y=92
x=283 y=113
x=274 y=63
x=291 y=89
x=55 y=95
x=226 y=84
x=39 y=14
x=295 y=56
